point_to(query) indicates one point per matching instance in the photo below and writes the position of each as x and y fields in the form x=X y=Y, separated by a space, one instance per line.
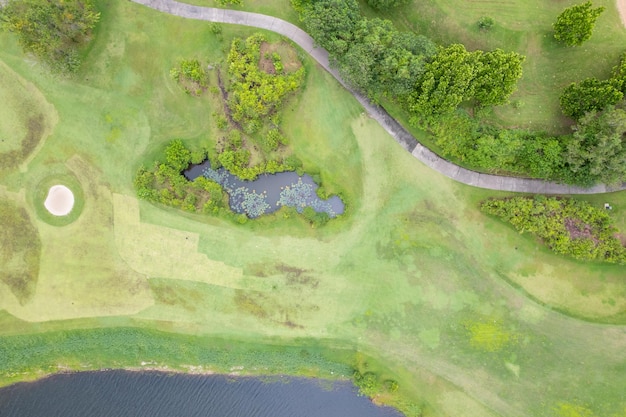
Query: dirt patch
x=621 y=7
x=266 y=64
x=579 y=230
x=281 y=52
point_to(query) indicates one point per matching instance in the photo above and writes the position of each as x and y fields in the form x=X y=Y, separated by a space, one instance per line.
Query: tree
x=597 y=150
x=53 y=30
x=386 y=4
x=575 y=24
x=589 y=95
x=332 y=23
x=446 y=82
x=618 y=80
x=177 y=155
x=497 y=76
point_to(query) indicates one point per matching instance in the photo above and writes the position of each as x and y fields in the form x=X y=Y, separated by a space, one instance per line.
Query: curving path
x=399 y=133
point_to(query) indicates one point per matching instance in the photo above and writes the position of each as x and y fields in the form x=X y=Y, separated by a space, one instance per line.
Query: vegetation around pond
x=261 y=76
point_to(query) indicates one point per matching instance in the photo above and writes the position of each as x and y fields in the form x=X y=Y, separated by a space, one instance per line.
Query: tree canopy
x=386 y=4
x=597 y=150
x=455 y=75
x=587 y=95
x=331 y=23
x=53 y=30
x=575 y=24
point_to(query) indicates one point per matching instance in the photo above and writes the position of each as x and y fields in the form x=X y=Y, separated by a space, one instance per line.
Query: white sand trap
x=60 y=200
x=621 y=6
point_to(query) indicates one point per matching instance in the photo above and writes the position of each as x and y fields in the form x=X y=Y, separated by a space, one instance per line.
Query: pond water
x=269 y=192
x=157 y=394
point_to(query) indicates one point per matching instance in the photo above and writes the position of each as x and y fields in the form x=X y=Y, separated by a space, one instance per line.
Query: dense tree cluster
x=255 y=94
x=164 y=183
x=455 y=75
x=376 y=58
x=597 y=149
x=499 y=150
x=575 y=24
x=588 y=95
x=53 y=30
x=567 y=226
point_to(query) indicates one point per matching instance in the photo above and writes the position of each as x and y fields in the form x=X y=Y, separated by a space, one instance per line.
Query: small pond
x=157 y=394
x=269 y=192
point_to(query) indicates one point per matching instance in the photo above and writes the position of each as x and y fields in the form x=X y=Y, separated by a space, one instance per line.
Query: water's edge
x=138 y=393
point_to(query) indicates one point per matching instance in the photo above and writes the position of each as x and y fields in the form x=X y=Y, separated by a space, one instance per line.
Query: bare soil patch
x=621 y=7
x=579 y=230
x=286 y=52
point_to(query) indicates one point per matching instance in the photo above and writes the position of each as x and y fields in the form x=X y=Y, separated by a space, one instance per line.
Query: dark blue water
x=269 y=192
x=155 y=394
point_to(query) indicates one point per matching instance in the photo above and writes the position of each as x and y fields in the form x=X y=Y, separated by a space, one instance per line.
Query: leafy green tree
x=447 y=81
x=332 y=23
x=575 y=24
x=387 y=4
x=597 y=150
x=497 y=76
x=177 y=155
x=53 y=30
x=618 y=80
x=588 y=95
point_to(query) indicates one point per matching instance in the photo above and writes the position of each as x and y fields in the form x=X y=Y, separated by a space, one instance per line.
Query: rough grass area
x=466 y=315
x=26 y=118
x=20 y=250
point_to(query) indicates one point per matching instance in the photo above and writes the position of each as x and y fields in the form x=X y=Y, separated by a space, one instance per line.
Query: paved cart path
x=399 y=133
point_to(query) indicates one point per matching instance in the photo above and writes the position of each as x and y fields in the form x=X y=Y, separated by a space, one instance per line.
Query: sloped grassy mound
x=567 y=226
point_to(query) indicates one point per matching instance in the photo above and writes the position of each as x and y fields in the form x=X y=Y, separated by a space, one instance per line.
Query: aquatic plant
x=250 y=203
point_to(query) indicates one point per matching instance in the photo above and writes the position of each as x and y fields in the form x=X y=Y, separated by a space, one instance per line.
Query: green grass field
x=414 y=284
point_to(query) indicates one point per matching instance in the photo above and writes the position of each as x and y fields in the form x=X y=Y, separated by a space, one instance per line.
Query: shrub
x=570 y=227
x=177 y=155
x=485 y=23
x=53 y=30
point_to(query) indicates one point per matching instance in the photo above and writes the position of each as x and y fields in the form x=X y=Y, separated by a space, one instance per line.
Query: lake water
x=157 y=394
x=269 y=192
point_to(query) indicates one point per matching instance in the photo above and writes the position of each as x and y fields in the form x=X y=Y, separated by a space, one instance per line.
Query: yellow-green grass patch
x=26 y=118
x=20 y=250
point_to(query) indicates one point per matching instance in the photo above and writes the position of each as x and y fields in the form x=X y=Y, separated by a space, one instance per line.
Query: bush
x=255 y=94
x=53 y=30
x=567 y=226
x=190 y=75
x=177 y=155
x=485 y=23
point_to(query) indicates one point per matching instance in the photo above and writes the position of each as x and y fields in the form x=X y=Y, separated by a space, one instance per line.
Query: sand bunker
x=60 y=200
x=621 y=6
